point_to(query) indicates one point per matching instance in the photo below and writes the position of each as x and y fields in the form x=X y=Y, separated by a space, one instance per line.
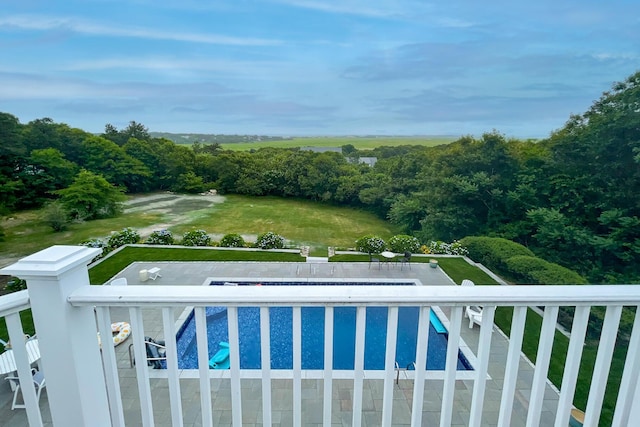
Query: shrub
x=443 y=248
x=56 y=216
x=556 y=274
x=160 y=237
x=15 y=284
x=125 y=237
x=493 y=252
x=98 y=244
x=269 y=240
x=370 y=244
x=521 y=267
x=403 y=243
x=538 y=271
x=232 y=240
x=196 y=238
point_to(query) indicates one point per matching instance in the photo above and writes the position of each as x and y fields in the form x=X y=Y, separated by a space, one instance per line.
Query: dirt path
x=173 y=207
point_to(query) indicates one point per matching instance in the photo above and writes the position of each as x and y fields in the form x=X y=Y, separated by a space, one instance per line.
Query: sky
x=314 y=67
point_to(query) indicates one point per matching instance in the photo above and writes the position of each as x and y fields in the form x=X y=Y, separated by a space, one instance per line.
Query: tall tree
x=90 y=196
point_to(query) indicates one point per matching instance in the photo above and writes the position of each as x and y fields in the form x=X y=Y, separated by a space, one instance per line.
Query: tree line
x=570 y=198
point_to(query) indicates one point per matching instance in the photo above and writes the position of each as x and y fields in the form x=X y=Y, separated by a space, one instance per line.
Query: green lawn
x=503 y=317
x=26 y=233
x=103 y=271
x=361 y=143
x=299 y=221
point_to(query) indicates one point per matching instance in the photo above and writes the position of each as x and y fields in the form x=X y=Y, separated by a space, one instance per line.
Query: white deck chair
x=38 y=382
x=475 y=315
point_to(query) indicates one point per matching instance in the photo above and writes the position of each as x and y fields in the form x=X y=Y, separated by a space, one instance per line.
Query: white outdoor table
x=388 y=257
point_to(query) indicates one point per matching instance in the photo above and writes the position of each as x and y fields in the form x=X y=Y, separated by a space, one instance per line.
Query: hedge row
x=520 y=265
x=518 y=262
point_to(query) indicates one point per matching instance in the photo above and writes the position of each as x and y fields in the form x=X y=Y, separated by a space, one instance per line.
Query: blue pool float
x=437 y=324
x=220 y=360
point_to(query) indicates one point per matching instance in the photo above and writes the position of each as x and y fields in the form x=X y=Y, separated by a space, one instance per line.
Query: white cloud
x=370 y=9
x=81 y=26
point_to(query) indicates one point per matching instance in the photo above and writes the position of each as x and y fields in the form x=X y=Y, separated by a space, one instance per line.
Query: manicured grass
x=363 y=143
x=533 y=325
x=102 y=272
x=27 y=325
x=302 y=222
x=459 y=269
x=27 y=233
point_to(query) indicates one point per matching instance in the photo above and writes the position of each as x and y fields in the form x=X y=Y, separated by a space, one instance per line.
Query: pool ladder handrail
x=398 y=369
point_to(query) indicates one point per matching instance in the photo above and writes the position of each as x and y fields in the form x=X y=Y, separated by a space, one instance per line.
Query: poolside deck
x=195 y=273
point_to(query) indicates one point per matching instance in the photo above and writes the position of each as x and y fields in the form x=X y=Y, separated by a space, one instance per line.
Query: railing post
x=66 y=335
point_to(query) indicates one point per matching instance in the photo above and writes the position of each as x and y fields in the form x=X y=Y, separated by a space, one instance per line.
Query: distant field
x=361 y=143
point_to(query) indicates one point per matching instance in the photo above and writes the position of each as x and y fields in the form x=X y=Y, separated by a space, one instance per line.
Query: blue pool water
x=280 y=319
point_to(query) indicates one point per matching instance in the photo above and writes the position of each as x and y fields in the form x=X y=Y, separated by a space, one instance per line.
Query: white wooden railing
x=62 y=298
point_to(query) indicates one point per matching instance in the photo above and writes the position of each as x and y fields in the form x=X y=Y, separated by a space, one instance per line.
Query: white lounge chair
x=474 y=314
x=38 y=382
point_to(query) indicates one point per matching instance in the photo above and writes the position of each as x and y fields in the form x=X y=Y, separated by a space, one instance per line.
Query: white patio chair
x=38 y=382
x=474 y=314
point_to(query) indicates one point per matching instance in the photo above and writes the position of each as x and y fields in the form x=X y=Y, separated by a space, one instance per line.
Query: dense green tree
x=106 y=158
x=90 y=196
x=189 y=183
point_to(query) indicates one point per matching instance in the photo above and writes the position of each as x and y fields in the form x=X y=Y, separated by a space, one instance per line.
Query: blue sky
x=314 y=67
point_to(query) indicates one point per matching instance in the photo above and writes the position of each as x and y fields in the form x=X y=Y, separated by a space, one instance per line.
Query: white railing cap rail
x=357 y=295
x=14 y=302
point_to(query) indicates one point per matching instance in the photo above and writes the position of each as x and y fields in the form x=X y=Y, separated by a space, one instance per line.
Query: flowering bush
x=370 y=244
x=440 y=247
x=94 y=243
x=270 y=240
x=403 y=243
x=125 y=237
x=196 y=238
x=160 y=237
x=232 y=240
x=15 y=284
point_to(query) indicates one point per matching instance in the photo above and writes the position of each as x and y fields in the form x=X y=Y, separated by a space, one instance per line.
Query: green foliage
x=444 y=248
x=570 y=198
x=127 y=236
x=189 y=183
x=160 y=237
x=234 y=240
x=196 y=238
x=270 y=240
x=15 y=284
x=402 y=243
x=370 y=244
x=533 y=270
x=90 y=196
x=56 y=216
x=493 y=252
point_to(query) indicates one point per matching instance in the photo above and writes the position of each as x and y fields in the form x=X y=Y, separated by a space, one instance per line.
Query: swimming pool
x=313 y=319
